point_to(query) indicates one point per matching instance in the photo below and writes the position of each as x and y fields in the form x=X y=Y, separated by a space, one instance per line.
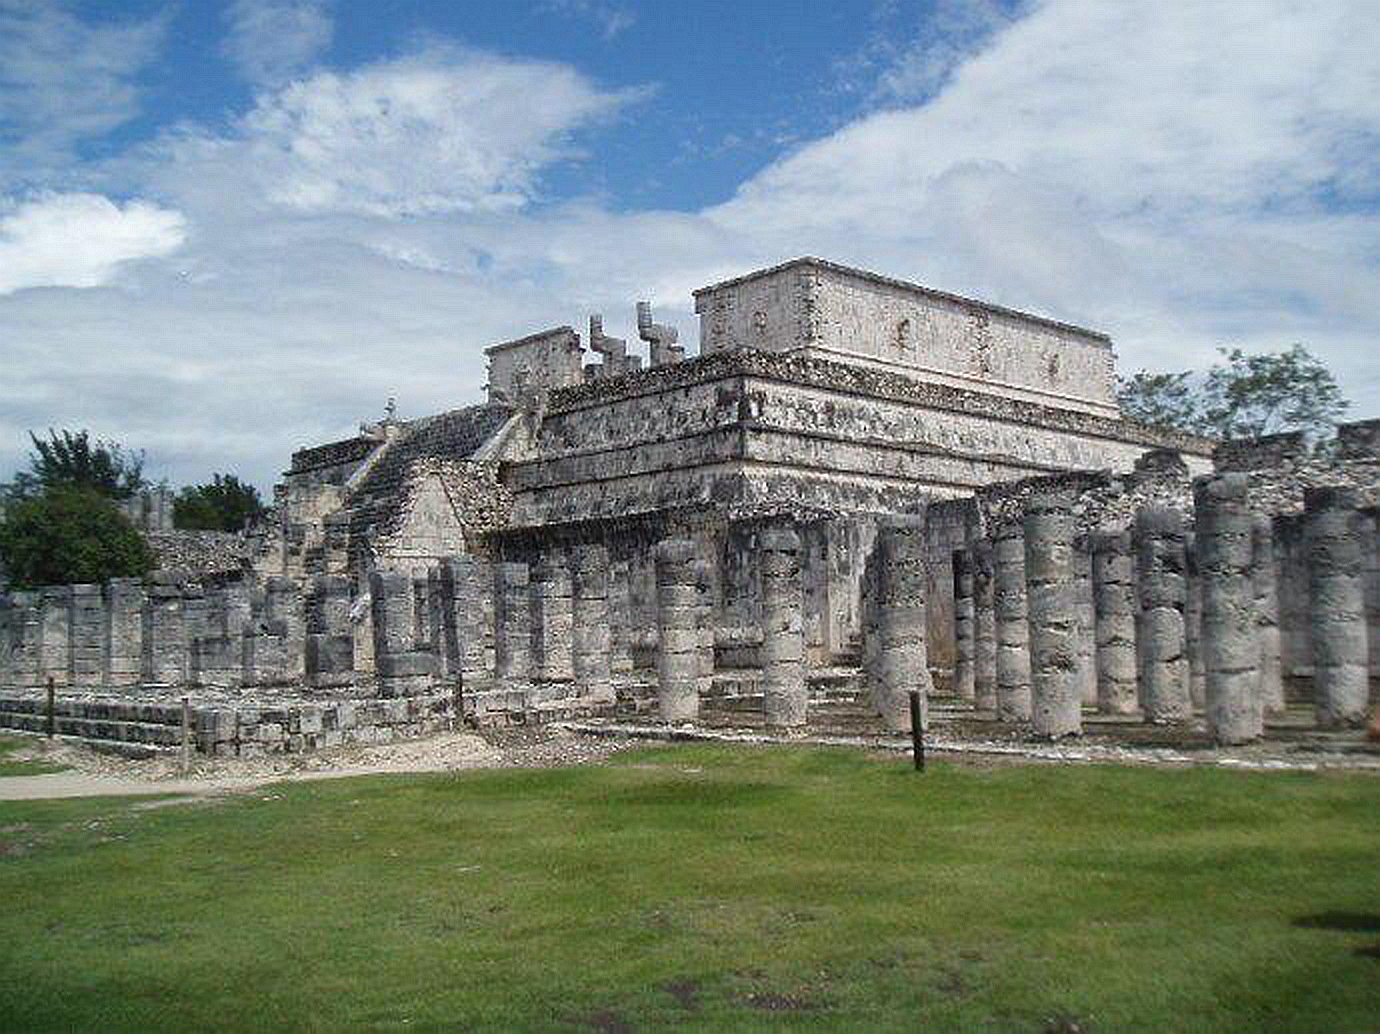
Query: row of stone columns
x=1165 y=622
x=681 y=606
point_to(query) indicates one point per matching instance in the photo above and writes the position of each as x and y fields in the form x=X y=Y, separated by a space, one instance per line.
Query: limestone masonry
x=859 y=487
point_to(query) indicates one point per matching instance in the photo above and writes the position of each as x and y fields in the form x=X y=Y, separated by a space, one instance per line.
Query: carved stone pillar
x=783 y=642
x=1052 y=600
x=1160 y=638
x=590 y=642
x=902 y=657
x=1012 y=625
x=1229 y=641
x=965 y=675
x=678 y=648
x=1337 y=608
x=1114 y=588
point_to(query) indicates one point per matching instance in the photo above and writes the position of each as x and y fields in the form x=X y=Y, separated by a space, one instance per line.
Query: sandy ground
x=92 y=774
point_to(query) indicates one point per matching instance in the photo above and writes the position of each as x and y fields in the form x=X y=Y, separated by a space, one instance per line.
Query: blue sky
x=230 y=229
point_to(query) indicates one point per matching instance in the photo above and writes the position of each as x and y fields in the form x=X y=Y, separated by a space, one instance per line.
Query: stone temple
x=858 y=486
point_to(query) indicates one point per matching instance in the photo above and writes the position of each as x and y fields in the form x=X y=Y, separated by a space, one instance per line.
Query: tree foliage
x=67 y=534
x=1242 y=396
x=73 y=459
x=223 y=504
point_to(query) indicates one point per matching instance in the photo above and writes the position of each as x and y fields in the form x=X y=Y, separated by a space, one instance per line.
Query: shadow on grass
x=1348 y=922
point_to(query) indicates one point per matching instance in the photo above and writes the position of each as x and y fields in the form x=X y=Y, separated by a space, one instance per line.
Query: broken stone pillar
x=403 y=667
x=1229 y=639
x=425 y=616
x=56 y=633
x=1193 y=623
x=551 y=625
x=463 y=582
x=677 y=652
x=124 y=631
x=1084 y=623
x=287 y=614
x=1337 y=614
x=985 y=632
x=512 y=627
x=620 y=618
x=272 y=644
x=704 y=621
x=165 y=660
x=1011 y=624
x=1265 y=584
x=217 y=648
x=87 y=642
x=1114 y=590
x=330 y=642
x=590 y=636
x=26 y=636
x=1051 y=602
x=902 y=661
x=965 y=676
x=783 y=641
x=1160 y=640
x=7 y=637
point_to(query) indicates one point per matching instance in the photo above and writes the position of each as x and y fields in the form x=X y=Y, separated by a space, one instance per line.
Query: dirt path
x=91 y=774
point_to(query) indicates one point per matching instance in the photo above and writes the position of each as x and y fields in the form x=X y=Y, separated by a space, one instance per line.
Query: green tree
x=223 y=504
x=69 y=534
x=72 y=458
x=1243 y=396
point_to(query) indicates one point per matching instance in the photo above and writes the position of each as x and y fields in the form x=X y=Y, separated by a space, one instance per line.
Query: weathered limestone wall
x=849 y=313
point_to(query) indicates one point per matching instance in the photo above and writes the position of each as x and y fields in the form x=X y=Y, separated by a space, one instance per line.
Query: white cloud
x=440 y=131
x=271 y=40
x=63 y=81
x=611 y=18
x=78 y=240
x=1172 y=173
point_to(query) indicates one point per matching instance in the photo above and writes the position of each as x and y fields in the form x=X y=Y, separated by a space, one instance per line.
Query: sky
x=229 y=230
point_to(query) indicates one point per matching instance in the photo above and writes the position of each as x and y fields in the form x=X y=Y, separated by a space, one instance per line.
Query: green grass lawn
x=10 y=767
x=705 y=887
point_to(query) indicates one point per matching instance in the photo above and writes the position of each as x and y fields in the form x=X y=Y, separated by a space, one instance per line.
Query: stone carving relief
x=661 y=338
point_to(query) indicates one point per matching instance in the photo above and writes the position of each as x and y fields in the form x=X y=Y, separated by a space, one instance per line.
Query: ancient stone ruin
x=858 y=488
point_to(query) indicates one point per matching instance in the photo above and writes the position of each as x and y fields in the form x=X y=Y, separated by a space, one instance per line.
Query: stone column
x=7 y=637
x=620 y=618
x=1337 y=614
x=985 y=632
x=287 y=615
x=87 y=636
x=965 y=676
x=1193 y=623
x=330 y=643
x=402 y=668
x=1052 y=601
x=124 y=631
x=704 y=621
x=783 y=642
x=902 y=660
x=215 y=655
x=1160 y=641
x=552 y=625
x=1084 y=623
x=25 y=639
x=1265 y=584
x=1114 y=588
x=56 y=633
x=1229 y=643
x=512 y=626
x=1011 y=624
x=677 y=653
x=462 y=582
x=165 y=659
x=590 y=637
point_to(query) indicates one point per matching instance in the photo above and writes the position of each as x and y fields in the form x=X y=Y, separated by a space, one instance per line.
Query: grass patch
x=9 y=766
x=705 y=887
